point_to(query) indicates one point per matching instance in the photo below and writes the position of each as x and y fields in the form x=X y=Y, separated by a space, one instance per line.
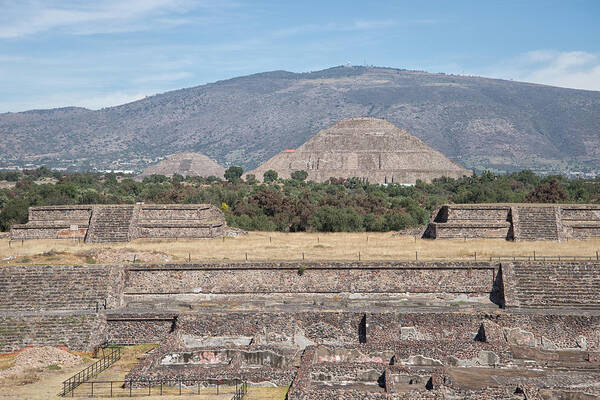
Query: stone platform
x=122 y=223
x=518 y=222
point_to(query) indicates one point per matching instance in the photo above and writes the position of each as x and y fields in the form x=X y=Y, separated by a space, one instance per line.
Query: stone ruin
x=518 y=222
x=331 y=330
x=122 y=223
x=371 y=149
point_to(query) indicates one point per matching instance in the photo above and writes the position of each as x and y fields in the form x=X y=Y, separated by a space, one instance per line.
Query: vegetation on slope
x=291 y=205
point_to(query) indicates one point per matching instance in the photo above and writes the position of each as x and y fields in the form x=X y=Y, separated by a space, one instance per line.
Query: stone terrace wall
x=563 y=330
x=127 y=328
x=178 y=220
x=71 y=287
x=556 y=284
x=77 y=332
x=515 y=221
x=470 y=221
x=461 y=277
x=276 y=327
x=54 y=222
x=102 y=223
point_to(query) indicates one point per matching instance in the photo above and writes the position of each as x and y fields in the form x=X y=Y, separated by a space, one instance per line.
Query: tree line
x=289 y=205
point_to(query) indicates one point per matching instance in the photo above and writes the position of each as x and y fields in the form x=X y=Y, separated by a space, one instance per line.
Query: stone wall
x=289 y=328
x=77 y=332
x=520 y=222
x=54 y=222
x=63 y=287
x=552 y=284
x=178 y=220
x=390 y=277
x=106 y=223
x=138 y=328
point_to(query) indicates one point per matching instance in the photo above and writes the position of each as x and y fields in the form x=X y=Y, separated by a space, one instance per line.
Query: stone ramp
x=536 y=223
x=110 y=224
x=569 y=285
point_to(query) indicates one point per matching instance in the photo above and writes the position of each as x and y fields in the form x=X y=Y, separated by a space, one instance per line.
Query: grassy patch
x=54 y=367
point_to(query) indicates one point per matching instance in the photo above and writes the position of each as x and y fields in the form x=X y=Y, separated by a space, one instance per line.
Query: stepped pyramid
x=368 y=148
x=185 y=164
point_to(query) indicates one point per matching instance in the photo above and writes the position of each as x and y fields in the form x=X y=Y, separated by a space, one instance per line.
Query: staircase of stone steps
x=557 y=285
x=110 y=224
x=536 y=223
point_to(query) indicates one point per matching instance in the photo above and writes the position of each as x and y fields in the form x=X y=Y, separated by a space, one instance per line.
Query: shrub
x=233 y=174
x=270 y=176
x=332 y=219
x=299 y=175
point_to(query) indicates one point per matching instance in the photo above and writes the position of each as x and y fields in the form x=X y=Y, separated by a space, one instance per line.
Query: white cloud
x=166 y=77
x=27 y=17
x=570 y=69
x=92 y=101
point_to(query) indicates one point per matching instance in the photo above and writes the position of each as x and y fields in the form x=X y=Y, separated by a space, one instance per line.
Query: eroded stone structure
x=368 y=148
x=372 y=330
x=519 y=222
x=122 y=223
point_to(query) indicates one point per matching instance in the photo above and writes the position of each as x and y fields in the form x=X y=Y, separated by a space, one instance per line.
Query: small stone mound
x=40 y=357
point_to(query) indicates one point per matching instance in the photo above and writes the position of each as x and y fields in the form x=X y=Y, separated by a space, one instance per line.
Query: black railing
x=93 y=370
x=167 y=387
x=240 y=391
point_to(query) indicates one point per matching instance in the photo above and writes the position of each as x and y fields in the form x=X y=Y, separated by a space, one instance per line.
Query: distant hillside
x=478 y=122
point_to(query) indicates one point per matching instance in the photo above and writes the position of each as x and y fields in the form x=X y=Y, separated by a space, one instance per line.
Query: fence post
x=416 y=256
x=475 y=256
x=246 y=256
x=92 y=388
x=596 y=255
x=302 y=256
x=534 y=255
x=359 y=256
x=110 y=388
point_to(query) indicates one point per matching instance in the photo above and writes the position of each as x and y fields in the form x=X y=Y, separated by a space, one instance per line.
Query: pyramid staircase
x=110 y=224
x=536 y=223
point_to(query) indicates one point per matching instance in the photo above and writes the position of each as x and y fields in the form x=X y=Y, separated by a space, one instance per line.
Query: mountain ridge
x=476 y=121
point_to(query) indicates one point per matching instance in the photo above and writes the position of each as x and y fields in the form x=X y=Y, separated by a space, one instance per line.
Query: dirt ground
x=278 y=246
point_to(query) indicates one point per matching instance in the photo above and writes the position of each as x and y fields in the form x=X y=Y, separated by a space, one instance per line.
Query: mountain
x=368 y=148
x=478 y=122
x=185 y=164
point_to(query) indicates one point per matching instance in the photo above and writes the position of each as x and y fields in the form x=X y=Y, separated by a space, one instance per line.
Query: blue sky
x=106 y=52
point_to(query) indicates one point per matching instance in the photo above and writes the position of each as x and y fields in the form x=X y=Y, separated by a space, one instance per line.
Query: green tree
x=251 y=179
x=332 y=219
x=233 y=174
x=270 y=176
x=299 y=175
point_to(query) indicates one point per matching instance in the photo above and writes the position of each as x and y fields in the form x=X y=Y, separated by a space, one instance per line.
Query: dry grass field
x=277 y=246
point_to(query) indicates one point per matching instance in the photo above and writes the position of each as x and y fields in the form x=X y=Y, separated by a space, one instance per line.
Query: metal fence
x=93 y=370
x=166 y=387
